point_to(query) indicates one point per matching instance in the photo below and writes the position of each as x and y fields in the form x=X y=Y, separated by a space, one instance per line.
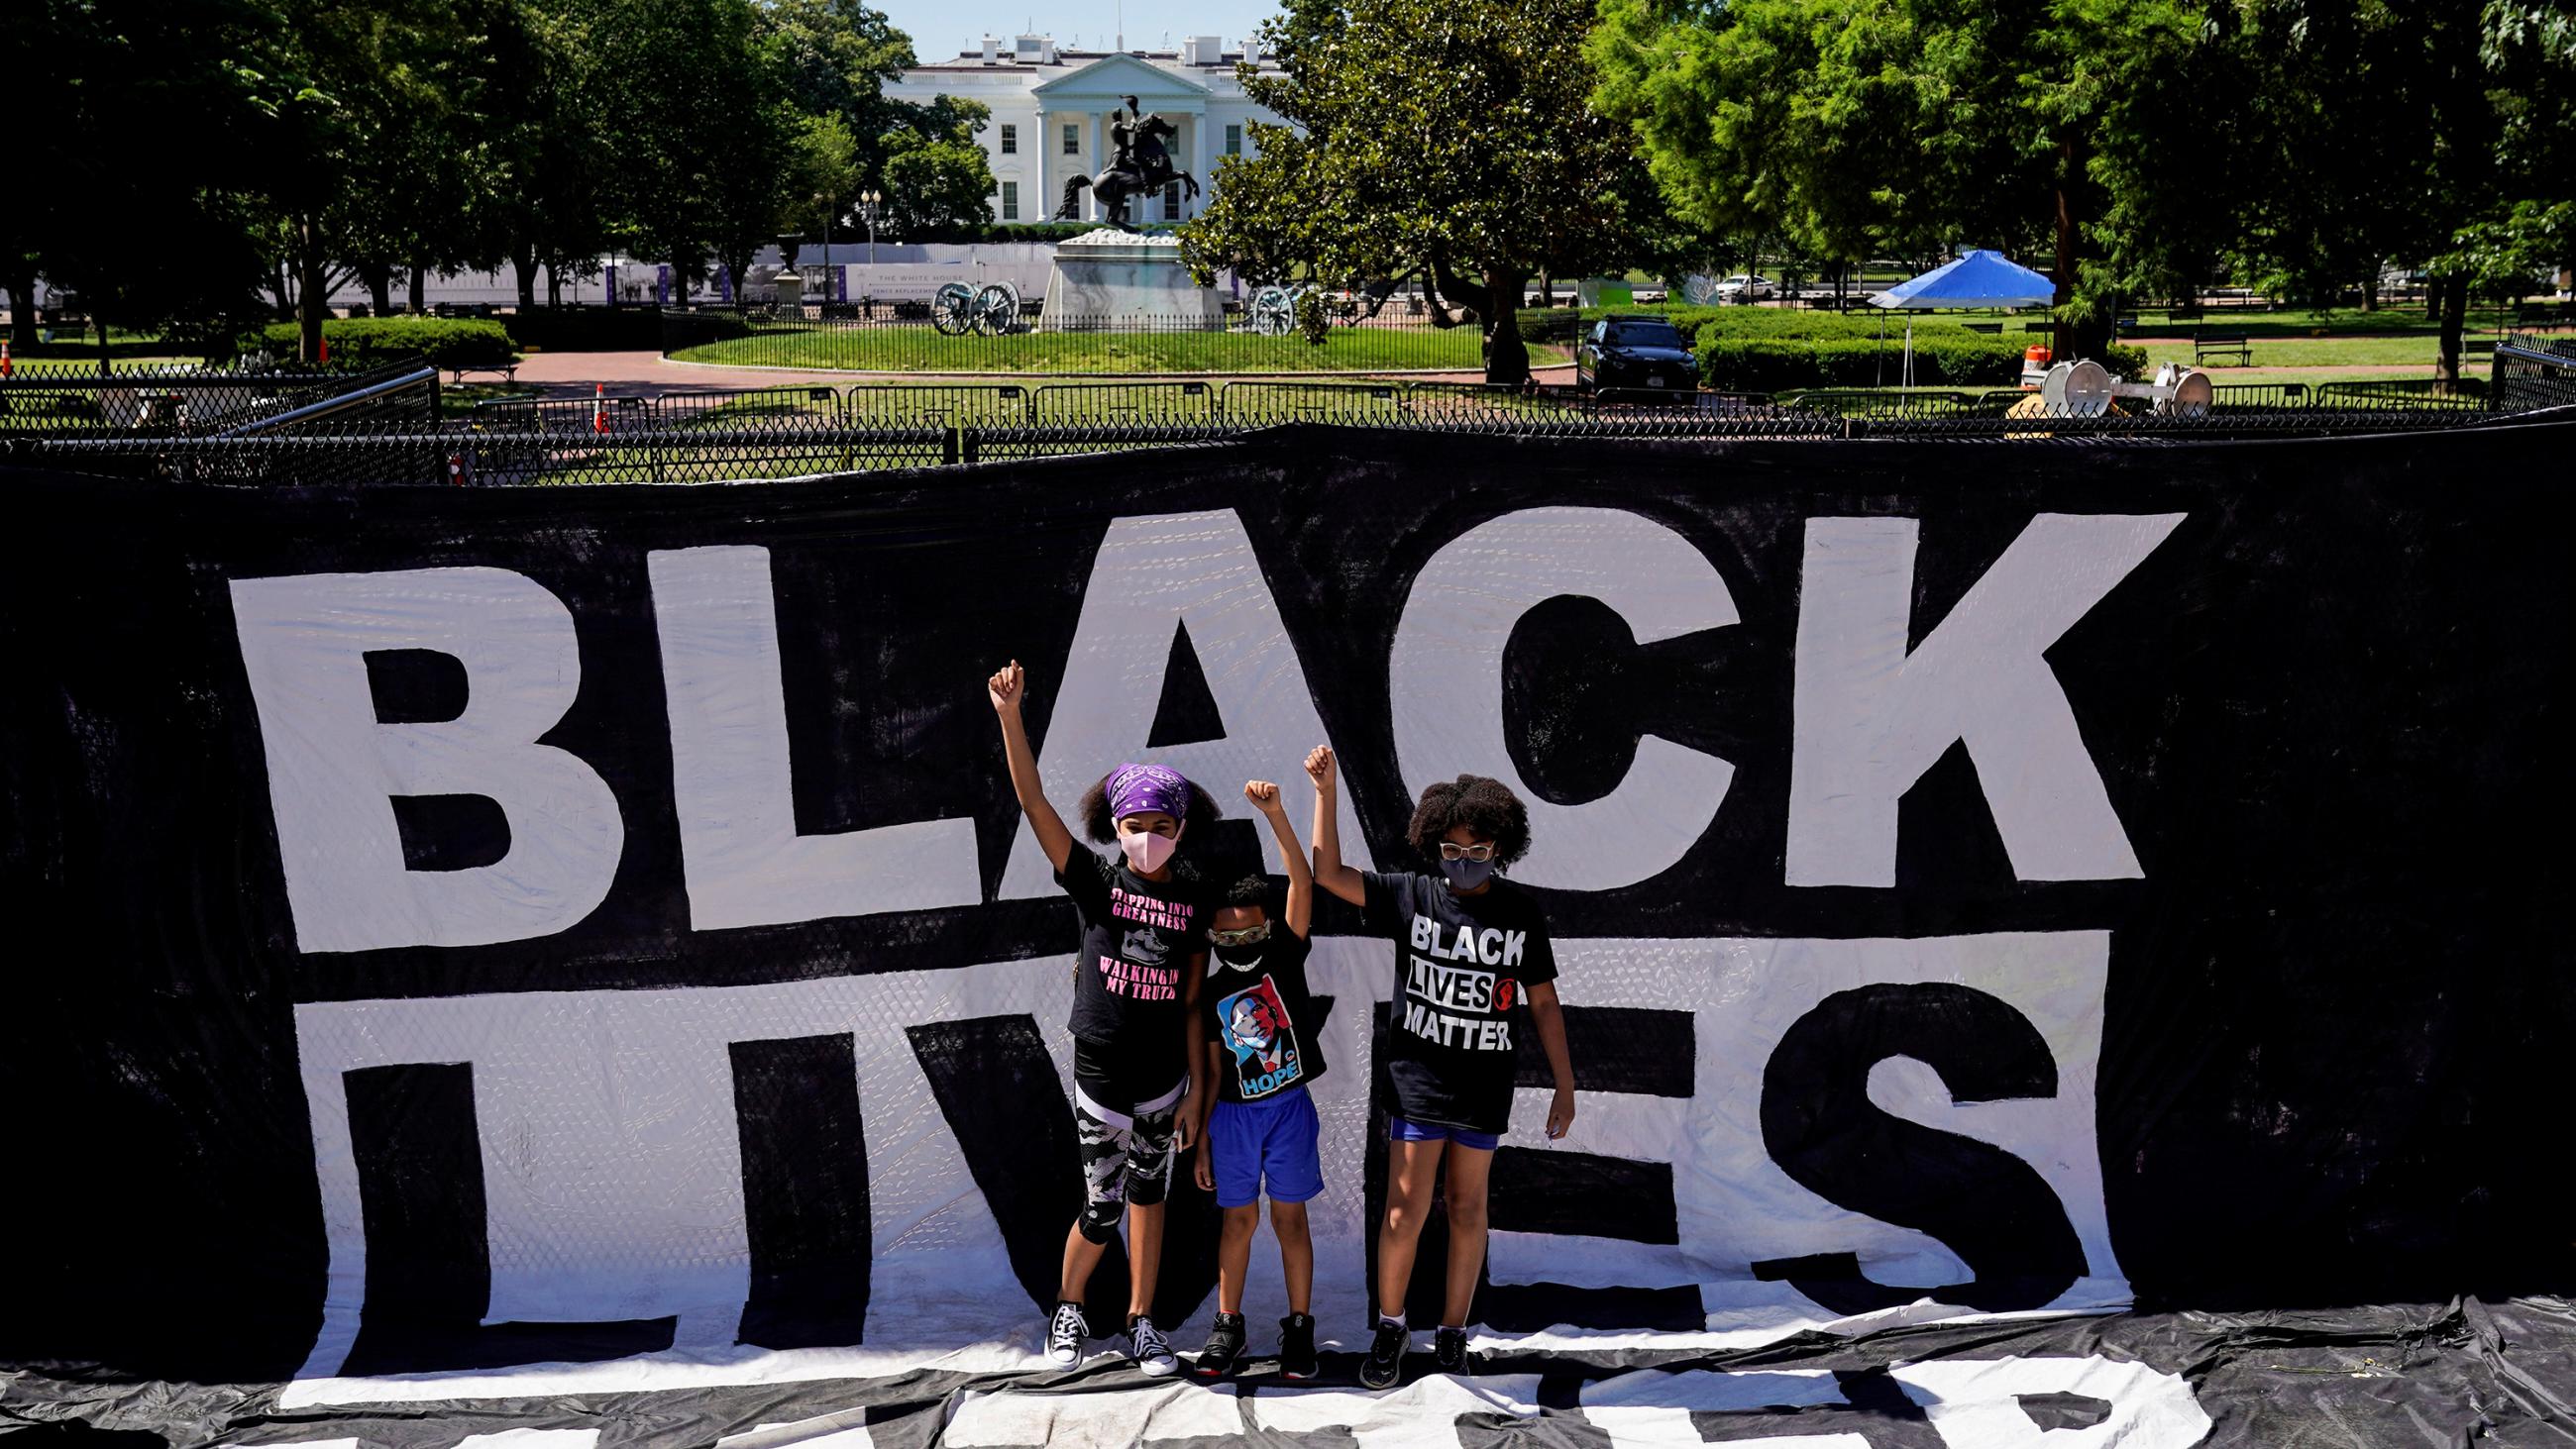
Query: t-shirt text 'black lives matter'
x=1463 y=967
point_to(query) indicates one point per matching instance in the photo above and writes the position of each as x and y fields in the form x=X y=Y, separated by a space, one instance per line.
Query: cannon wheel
x=952 y=309
x=997 y=309
x=1274 y=312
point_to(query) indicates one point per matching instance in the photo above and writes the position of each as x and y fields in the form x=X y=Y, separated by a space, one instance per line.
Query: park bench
x=2206 y=344
x=2478 y=347
x=2544 y=314
x=1991 y=329
x=2183 y=314
x=506 y=371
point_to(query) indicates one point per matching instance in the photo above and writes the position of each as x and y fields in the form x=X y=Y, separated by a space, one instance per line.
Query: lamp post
x=869 y=201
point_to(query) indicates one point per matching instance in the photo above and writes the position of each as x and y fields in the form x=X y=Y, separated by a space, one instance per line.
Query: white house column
x=1095 y=162
x=1045 y=200
x=1199 y=157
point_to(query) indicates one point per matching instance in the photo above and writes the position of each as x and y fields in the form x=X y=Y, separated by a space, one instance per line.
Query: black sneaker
x=1449 y=1351
x=1385 y=1361
x=1224 y=1351
x=1066 y=1333
x=1297 y=1346
x=1152 y=1352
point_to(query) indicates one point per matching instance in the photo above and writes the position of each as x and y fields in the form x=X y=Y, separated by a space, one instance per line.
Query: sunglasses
x=1451 y=850
x=1248 y=936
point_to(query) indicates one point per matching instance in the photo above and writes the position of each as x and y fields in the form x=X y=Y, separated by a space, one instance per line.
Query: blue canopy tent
x=1979 y=278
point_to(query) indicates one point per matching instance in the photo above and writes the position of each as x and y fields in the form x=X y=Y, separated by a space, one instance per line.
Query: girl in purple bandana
x=1136 y=1026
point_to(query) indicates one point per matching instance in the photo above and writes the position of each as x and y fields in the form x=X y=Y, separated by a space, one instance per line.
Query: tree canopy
x=1451 y=141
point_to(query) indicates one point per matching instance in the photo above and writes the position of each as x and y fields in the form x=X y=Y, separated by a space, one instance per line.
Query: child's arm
x=1330 y=873
x=1204 y=1168
x=1550 y=1020
x=1301 y=881
x=1006 y=687
x=1200 y=1095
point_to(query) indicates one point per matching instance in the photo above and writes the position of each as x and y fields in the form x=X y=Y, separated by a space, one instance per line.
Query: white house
x=1051 y=111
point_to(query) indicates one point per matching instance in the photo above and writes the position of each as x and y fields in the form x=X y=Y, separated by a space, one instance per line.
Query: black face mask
x=1466 y=875
x=1241 y=958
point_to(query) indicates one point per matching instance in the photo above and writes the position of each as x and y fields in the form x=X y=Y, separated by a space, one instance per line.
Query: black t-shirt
x=1261 y=1021
x=1462 y=964
x=1137 y=940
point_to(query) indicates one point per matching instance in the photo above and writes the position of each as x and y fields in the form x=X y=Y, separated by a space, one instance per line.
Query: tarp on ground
x=2057 y=940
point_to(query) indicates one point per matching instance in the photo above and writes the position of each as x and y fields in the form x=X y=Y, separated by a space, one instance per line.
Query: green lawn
x=2386 y=351
x=921 y=349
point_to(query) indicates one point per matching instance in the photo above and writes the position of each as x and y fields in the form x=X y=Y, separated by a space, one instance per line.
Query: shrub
x=444 y=341
x=586 y=329
x=1764 y=359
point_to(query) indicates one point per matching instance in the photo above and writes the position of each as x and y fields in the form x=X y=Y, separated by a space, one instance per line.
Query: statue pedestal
x=1109 y=280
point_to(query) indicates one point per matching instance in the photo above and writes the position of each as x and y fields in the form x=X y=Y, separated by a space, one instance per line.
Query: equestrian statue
x=1140 y=164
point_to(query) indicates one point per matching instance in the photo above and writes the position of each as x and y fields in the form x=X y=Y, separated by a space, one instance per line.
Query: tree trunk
x=22 y=303
x=2451 y=306
x=312 y=288
x=98 y=319
x=419 y=298
x=1506 y=356
x=380 y=285
x=2063 y=343
x=554 y=284
x=2370 y=294
x=525 y=266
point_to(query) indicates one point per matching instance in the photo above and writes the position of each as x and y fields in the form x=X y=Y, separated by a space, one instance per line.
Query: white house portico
x=1052 y=108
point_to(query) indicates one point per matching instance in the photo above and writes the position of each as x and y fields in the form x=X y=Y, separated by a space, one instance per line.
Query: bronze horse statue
x=1140 y=165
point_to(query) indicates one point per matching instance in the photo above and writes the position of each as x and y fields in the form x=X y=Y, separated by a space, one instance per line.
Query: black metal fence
x=383 y=427
x=910 y=338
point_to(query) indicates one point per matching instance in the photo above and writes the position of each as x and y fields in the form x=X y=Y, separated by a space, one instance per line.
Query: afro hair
x=1096 y=821
x=1483 y=804
x=1250 y=893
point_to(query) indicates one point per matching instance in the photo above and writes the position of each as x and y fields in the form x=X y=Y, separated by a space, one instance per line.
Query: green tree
x=936 y=179
x=1855 y=127
x=1448 y=139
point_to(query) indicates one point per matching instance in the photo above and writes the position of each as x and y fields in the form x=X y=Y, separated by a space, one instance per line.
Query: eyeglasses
x=1451 y=850
x=1248 y=936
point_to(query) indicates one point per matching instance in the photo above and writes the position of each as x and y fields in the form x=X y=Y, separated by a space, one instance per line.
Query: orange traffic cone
x=6 y=364
x=599 y=407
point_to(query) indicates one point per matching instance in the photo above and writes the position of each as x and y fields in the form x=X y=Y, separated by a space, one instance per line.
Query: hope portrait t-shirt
x=1261 y=1021
x=1137 y=939
x=1463 y=965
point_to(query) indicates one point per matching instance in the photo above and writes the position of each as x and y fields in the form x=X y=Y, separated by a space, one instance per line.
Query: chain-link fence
x=2533 y=372
x=170 y=400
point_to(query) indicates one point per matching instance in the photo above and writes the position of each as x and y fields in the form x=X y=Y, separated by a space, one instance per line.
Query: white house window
x=1010 y=140
x=1010 y=201
x=1233 y=140
x=1171 y=201
x=1073 y=138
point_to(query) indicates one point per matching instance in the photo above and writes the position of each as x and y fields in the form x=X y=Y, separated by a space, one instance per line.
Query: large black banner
x=570 y=956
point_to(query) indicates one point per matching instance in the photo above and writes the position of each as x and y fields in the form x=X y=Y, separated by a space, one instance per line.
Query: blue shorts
x=1273 y=1138
x=1405 y=1129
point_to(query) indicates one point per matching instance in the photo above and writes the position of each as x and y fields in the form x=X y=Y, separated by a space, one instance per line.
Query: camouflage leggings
x=1126 y=1152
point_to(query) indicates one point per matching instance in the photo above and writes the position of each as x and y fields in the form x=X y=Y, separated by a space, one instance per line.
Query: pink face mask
x=1147 y=852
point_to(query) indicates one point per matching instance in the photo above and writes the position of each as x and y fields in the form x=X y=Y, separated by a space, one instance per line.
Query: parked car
x=1644 y=354
x=1743 y=287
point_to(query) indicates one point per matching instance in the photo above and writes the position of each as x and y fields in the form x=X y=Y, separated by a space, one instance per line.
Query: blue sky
x=940 y=28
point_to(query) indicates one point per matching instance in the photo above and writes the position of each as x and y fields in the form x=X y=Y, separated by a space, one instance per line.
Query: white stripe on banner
x=613 y=1175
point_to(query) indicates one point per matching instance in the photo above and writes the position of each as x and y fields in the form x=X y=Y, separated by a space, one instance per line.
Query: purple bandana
x=1134 y=789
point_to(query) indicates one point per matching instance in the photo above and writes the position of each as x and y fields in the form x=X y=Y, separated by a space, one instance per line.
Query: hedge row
x=445 y=341
x=587 y=329
x=1944 y=356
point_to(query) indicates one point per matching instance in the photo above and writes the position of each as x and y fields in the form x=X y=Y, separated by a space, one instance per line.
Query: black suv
x=1635 y=354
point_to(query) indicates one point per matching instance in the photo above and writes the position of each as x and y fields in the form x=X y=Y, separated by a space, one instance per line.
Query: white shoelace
x=1150 y=1342
x=1069 y=1324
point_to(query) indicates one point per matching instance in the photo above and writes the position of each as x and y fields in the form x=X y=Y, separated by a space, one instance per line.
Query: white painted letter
x=1155 y=575
x=746 y=864
x=1872 y=717
x=333 y=768
x=1448 y=667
